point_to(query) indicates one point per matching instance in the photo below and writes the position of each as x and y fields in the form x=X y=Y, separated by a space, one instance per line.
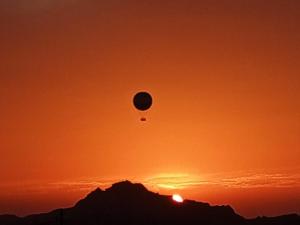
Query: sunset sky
x=224 y=126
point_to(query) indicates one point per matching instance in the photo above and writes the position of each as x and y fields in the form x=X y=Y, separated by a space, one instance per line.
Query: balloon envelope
x=142 y=101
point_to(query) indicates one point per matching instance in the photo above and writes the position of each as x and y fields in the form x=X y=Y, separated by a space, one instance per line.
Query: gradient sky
x=225 y=123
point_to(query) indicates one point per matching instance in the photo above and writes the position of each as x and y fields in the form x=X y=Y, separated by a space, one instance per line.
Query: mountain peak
x=127 y=186
x=91 y=197
x=94 y=193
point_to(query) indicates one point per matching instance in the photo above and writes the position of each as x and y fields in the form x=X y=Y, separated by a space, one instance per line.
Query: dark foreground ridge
x=132 y=204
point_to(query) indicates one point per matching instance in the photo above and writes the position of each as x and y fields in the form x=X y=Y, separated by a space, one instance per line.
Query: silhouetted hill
x=291 y=219
x=132 y=204
x=9 y=219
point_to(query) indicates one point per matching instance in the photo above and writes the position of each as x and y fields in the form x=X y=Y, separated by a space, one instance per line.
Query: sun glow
x=177 y=198
x=174 y=181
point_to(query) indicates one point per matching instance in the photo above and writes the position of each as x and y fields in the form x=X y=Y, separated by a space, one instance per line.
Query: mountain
x=9 y=219
x=132 y=204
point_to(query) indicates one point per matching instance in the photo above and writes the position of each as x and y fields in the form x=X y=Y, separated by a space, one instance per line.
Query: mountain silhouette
x=127 y=203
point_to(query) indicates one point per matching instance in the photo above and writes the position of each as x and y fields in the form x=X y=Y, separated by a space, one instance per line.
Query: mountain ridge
x=131 y=203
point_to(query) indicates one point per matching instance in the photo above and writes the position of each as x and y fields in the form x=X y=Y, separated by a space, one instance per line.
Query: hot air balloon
x=142 y=101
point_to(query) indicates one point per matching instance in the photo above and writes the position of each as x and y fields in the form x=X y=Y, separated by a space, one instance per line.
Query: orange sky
x=225 y=122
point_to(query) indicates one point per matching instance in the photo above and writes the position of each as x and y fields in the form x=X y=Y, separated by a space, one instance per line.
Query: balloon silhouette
x=142 y=101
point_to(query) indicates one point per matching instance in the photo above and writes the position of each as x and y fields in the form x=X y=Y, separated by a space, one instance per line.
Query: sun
x=177 y=198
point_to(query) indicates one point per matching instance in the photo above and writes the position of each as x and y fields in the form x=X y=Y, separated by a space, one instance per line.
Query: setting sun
x=177 y=198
